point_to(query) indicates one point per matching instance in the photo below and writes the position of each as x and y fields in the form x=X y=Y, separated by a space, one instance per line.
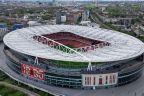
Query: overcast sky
x=80 y=0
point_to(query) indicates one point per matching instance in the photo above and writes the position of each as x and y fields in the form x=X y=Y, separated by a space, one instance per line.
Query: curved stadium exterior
x=74 y=56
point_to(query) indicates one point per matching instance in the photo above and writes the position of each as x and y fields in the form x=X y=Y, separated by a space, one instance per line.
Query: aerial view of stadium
x=73 y=56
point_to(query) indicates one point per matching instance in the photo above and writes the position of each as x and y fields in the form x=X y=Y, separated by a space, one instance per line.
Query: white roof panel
x=122 y=45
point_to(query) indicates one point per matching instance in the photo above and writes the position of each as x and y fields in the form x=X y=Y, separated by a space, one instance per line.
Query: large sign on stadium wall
x=33 y=72
x=99 y=79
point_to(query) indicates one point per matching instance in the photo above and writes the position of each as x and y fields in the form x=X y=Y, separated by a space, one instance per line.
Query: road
x=96 y=20
x=133 y=89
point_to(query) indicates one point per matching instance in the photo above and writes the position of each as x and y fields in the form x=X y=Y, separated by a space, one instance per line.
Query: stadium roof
x=122 y=46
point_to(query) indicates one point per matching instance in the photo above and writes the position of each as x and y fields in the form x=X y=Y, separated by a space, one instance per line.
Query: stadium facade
x=74 y=56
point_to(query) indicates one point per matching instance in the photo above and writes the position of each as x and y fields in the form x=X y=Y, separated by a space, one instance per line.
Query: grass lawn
x=7 y=91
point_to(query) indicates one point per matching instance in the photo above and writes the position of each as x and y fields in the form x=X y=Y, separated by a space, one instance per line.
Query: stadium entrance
x=94 y=80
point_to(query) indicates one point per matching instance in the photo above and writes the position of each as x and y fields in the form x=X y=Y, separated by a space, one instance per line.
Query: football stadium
x=73 y=56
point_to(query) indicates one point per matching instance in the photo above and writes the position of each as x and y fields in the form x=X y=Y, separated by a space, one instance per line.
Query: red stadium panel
x=33 y=72
x=79 y=43
x=99 y=79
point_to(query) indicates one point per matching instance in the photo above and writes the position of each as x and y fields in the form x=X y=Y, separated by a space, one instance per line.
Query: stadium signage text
x=51 y=43
x=33 y=72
